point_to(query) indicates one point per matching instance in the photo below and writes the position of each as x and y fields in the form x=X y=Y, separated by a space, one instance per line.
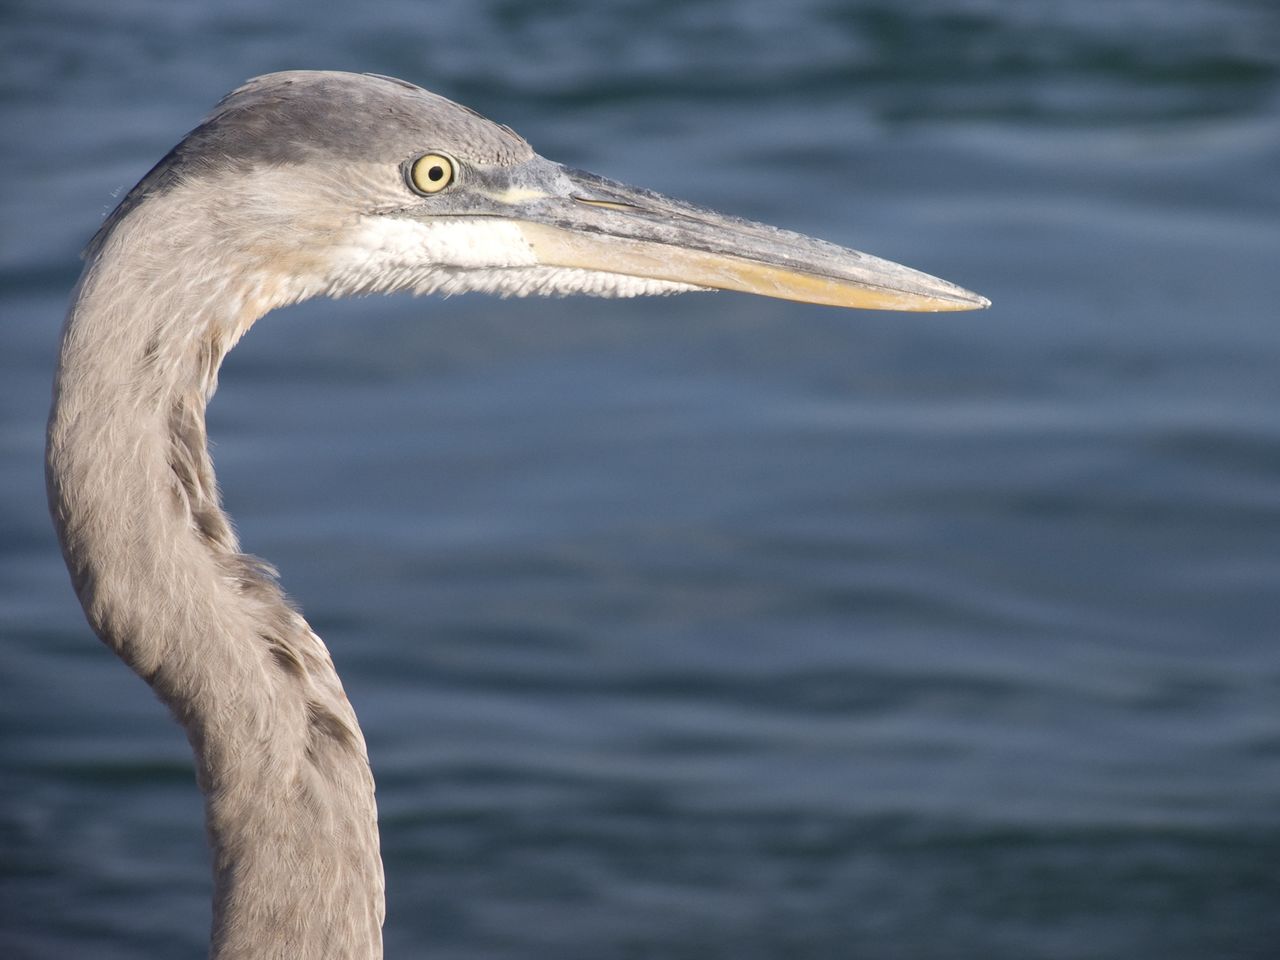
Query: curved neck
x=279 y=754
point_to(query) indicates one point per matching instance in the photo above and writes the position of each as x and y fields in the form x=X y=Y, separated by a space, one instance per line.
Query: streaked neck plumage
x=279 y=754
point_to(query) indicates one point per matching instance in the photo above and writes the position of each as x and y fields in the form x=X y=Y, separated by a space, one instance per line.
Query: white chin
x=544 y=281
x=387 y=254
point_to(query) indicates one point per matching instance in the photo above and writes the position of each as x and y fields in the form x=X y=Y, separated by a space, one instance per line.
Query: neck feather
x=279 y=754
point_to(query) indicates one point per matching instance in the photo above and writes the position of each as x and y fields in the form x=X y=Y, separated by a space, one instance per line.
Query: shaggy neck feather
x=279 y=754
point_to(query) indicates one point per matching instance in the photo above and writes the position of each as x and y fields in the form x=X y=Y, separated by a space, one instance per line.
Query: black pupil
x=435 y=173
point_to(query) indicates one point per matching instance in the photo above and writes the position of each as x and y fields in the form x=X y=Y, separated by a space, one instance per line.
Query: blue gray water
x=712 y=626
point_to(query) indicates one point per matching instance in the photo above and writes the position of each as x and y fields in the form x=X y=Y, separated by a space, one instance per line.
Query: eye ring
x=430 y=173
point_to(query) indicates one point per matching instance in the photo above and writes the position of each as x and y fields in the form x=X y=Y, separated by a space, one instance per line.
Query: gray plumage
x=304 y=116
x=297 y=185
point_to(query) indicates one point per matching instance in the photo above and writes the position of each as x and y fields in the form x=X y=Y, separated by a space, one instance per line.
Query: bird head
x=337 y=183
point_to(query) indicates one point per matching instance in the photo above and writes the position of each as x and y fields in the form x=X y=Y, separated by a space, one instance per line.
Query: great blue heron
x=298 y=185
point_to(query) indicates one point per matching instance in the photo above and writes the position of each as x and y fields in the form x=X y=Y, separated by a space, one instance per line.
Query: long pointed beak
x=607 y=226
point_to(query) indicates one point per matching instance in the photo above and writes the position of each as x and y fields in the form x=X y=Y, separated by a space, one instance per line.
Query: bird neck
x=279 y=754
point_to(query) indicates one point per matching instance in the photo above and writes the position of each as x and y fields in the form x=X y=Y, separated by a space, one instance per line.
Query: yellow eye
x=431 y=173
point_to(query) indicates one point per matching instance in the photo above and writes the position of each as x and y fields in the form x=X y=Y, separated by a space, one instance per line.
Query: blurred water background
x=713 y=626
